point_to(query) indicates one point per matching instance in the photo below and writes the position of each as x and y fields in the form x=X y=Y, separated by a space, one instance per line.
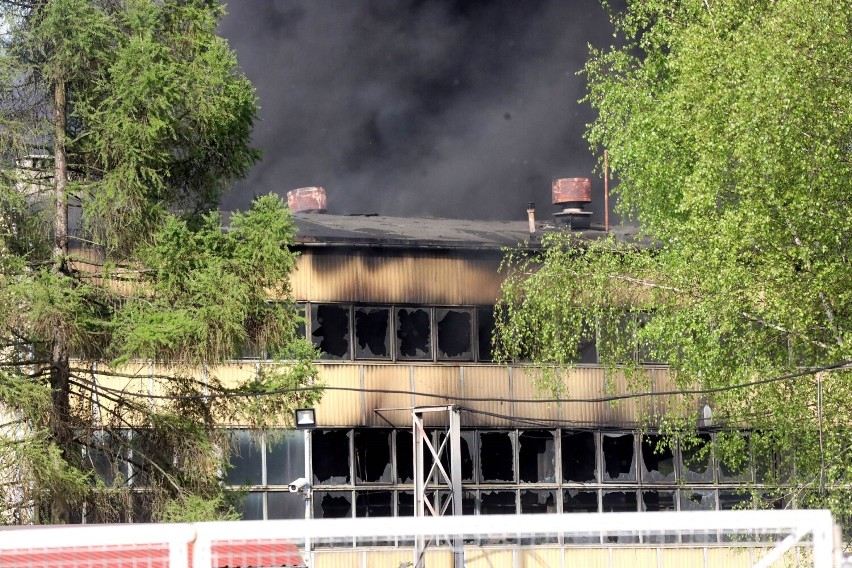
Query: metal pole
x=309 y=493
x=456 y=474
x=419 y=489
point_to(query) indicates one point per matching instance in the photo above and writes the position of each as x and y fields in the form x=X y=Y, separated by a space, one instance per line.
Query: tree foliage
x=121 y=123
x=728 y=125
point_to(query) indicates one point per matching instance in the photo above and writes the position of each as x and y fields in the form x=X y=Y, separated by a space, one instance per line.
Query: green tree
x=729 y=127
x=121 y=123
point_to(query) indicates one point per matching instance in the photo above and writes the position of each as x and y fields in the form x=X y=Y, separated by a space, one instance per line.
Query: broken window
x=406 y=504
x=454 y=334
x=619 y=457
x=729 y=500
x=497 y=503
x=413 y=333
x=107 y=456
x=696 y=459
x=285 y=505
x=575 y=501
x=372 y=455
x=285 y=459
x=619 y=502
x=332 y=504
x=587 y=349
x=466 y=439
x=496 y=457
x=658 y=464
x=330 y=452
x=485 y=332
x=579 y=457
x=372 y=333
x=374 y=504
x=658 y=501
x=405 y=456
x=536 y=456
x=691 y=500
x=737 y=466
x=539 y=501
x=246 y=460
x=330 y=330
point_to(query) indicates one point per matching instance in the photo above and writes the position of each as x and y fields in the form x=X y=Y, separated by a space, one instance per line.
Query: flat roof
x=318 y=229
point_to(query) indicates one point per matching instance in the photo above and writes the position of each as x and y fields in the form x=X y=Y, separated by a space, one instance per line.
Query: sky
x=441 y=108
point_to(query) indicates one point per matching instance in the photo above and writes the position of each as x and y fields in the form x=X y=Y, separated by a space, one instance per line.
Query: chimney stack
x=572 y=194
x=307 y=200
x=531 y=216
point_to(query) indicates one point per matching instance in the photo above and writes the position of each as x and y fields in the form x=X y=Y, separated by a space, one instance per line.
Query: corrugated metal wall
x=391 y=276
x=550 y=557
x=501 y=385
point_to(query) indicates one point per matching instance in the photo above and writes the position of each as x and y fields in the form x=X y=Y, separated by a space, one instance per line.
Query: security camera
x=300 y=485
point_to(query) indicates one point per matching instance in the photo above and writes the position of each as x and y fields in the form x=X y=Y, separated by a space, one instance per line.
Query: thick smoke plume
x=419 y=107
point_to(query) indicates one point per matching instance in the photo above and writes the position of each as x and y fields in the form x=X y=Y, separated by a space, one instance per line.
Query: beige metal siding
x=487 y=381
x=340 y=408
x=387 y=377
x=415 y=277
x=523 y=387
x=440 y=380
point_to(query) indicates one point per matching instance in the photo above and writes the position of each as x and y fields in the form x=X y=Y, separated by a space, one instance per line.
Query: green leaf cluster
x=728 y=126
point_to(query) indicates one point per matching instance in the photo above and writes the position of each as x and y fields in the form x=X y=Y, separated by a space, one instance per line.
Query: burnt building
x=402 y=312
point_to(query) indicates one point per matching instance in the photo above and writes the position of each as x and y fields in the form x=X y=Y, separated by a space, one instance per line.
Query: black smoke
x=418 y=107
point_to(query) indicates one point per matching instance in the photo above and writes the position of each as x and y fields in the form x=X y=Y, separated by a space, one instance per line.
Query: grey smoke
x=418 y=107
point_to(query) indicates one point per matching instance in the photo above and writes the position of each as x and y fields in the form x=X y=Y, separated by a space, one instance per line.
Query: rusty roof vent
x=307 y=200
x=572 y=194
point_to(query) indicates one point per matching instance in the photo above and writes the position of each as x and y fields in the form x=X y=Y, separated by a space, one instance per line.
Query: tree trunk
x=60 y=372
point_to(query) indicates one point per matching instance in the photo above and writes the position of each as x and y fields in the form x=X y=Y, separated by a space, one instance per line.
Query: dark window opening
x=485 y=332
x=406 y=504
x=405 y=457
x=466 y=439
x=696 y=459
x=574 y=501
x=454 y=334
x=658 y=501
x=497 y=503
x=536 y=456
x=330 y=450
x=729 y=500
x=579 y=457
x=374 y=504
x=330 y=330
x=619 y=502
x=698 y=501
x=619 y=454
x=658 y=463
x=538 y=501
x=496 y=457
x=372 y=455
x=736 y=464
x=414 y=333
x=332 y=505
x=372 y=333
x=588 y=347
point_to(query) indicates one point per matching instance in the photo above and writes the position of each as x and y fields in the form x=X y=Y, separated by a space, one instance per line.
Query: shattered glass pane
x=733 y=499
x=619 y=457
x=466 y=444
x=330 y=330
x=372 y=333
x=332 y=504
x=579 y=457
x=454 y=334
x=496 y=457
x=658 y=464
x=372 y=455
x=539 y=501
x=405 y=456
x=619 y=502
x=658 y=501
x=413 y=333
x=374 y=504
x=485 y=332
x=330 y=452
x=536 y=456
x=696 y=460
x=406 y=503
x=691 y=500
x=577 y=501
x=497 y=503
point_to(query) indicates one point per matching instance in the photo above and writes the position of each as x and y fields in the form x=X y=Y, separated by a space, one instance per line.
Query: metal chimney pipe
x=531 y=216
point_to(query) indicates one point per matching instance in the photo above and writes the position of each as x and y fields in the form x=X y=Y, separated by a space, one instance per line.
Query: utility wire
x=449 y=397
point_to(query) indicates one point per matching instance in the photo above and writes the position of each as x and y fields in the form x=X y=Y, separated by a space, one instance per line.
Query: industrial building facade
x=402 y=310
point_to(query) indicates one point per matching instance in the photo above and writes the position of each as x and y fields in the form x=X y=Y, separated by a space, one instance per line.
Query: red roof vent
x=307 y=200
x=572 y=194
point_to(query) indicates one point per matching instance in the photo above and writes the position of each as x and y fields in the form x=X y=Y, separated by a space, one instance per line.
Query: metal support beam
x=422 y=504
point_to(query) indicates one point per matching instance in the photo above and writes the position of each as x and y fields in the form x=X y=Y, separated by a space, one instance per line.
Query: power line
x=462 y=399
